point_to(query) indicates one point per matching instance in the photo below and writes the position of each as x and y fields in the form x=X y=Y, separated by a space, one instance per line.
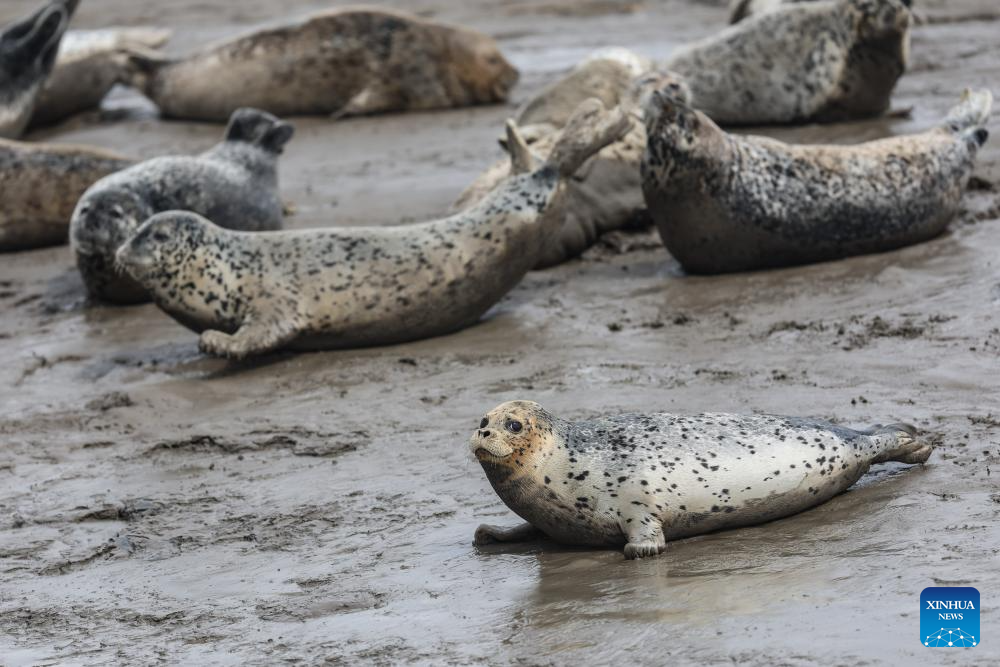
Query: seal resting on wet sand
x=733 y=203
x=811 y=61
x=641 y=480
x=359 y=286
x=236 y=183
x=27 y=53
x=344 y=62
x=40 y=186
x=605 y=194
x=89 y=64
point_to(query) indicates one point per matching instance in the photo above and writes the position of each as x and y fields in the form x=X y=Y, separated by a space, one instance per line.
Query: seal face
x=644 y=479
x=734 y=203
x=41 y=184
x=235 y=183
x=27 y=53
x=606 y=193
x=810 y=61
x=347 y=287
x=88 y=65
x=344 y=62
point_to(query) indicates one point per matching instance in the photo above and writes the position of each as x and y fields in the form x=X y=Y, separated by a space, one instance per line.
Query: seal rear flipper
x=969 y=117
x=588 y=130
x=143 y=68
x=899 y=442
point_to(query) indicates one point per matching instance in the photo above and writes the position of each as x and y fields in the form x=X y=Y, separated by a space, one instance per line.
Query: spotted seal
x=27 y=53
x=606 y=193
x=236 y=183
x=345 y=287
x=741 y=9
x=41 y=184
x=643 y=479
x=733 y=203
x=812 y=61
x=89 y=64
x=343 y=62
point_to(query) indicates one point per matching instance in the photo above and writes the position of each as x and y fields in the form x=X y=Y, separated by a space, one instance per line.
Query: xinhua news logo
x=949 y=617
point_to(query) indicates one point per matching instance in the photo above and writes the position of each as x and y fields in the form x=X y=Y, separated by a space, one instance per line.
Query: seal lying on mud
x=606 y=193
x=236 y=183
x=641 y=480
x=811 y=61
x=89 y=64
x=40 y=186
x=27 y=53
x=347 y=287
x=741 y=9
x=344 y=62
x=732 y=203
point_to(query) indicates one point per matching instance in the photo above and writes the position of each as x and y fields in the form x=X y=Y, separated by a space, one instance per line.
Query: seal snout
x=487 y=443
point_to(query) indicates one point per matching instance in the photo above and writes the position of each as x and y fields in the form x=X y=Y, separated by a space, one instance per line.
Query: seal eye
x=483 y=423
x=514 y=426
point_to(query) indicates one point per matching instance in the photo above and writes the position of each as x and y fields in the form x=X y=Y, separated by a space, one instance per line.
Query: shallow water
x=159 y=506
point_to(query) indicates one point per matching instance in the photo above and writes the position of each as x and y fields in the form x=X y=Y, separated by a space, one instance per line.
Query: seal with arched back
x=248 y=294
x=726 y=202
x=640 y=480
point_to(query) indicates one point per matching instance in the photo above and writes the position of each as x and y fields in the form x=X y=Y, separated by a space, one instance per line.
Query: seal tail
x=899 y=442
x=588 y=130
x=969 y=117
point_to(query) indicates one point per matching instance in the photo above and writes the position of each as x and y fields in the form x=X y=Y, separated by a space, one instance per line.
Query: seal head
x=479 y=72
x=28 y=52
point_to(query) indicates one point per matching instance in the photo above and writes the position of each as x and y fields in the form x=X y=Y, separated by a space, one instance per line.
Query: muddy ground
x=157 y=506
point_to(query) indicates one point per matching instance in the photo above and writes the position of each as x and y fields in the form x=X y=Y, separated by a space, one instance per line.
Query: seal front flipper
x=487 y=534
x=645 y=536
x=255 y=336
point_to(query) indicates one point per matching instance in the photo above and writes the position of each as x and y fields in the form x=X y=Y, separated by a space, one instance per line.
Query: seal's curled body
x=644 y=479
x=347 y=287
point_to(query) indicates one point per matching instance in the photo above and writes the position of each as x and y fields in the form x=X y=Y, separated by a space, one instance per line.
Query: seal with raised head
x=89 y=64
x=742 y=9
x=343 y=62
x=812 y=61
x=605 y=194
x=733 y=203
x=40 y=186
x=27 y=53
x=235 y=183
x=644 y=479
x=248 y=294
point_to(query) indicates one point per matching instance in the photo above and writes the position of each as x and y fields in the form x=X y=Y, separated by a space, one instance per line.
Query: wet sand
x=157 y=506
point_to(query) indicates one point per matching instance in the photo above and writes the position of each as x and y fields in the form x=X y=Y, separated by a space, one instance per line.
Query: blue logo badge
x=949 y=617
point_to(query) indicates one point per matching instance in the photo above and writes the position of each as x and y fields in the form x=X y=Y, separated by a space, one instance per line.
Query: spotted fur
x=344 y=62
x=41 y=184
x=606 y=193
x=732 y=203
x=741 y=9
x=347 y=287
x=812 y=61
x=27 y=53
x=235 y=183
x=641 y=480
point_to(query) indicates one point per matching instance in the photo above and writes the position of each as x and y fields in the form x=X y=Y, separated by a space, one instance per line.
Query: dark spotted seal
x=41 y=184
x=27 y=53
x=741 y=9
x=89 y=64
x=236 y=183
x=733 y=203
x=812 y=61
x=346 y=287
x=344 y=62
x=641 y=480
x=606 y=193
